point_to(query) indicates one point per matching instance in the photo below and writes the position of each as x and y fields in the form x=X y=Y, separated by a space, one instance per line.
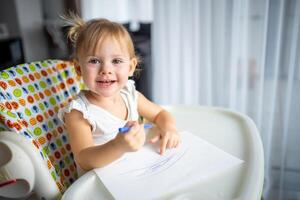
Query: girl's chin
x=105 y=92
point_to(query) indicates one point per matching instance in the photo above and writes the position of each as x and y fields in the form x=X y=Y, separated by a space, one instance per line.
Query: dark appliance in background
x=11 y=52
x=142 y=43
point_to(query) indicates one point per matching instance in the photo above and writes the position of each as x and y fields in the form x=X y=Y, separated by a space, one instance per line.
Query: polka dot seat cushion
x=30 y=97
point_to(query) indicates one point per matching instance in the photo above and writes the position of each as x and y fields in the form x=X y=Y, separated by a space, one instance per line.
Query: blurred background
x=238 y=54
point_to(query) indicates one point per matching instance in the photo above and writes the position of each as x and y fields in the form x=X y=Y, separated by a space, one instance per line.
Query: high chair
x=35 y=156
x=231 y=131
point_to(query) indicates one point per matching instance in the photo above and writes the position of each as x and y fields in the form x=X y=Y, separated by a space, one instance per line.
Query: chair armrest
x=20 y=160
x=16 y=171
x=250 y=148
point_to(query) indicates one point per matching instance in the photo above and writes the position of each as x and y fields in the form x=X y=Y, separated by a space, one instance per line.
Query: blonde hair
x=85 y=36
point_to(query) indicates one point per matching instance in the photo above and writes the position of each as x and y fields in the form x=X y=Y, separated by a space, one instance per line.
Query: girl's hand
x=168 y=139
x=132 y=140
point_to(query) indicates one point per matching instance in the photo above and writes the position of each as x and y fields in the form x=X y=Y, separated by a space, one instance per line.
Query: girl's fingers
x=154 y=139
x=168 y=140
x=135 y=137
x=134 y=128
x=170 y=143
x=177 y=143
x=163 y=145
x=173 y=142
x=129 y=123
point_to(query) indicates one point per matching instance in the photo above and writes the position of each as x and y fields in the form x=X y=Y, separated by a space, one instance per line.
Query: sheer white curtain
x=240 y=54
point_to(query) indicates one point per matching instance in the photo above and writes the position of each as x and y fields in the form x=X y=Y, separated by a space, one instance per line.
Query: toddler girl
x=104 y=56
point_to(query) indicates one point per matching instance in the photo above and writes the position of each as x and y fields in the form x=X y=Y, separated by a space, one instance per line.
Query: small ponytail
x=76 y=24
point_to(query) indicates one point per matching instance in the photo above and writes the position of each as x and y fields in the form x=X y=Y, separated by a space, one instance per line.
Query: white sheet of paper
x=146 y=175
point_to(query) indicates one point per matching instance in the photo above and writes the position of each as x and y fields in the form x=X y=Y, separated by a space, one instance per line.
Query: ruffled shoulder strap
x=81 y=105
x=130 y=90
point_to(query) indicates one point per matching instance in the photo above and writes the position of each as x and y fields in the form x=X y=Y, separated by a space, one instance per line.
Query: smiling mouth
x=106 y=83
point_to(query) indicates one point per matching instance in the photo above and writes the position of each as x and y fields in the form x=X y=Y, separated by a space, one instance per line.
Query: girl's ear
x=77 y=67
x=133 y=63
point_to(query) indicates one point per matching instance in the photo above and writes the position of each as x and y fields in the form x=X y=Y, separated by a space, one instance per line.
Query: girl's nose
x=105 y=69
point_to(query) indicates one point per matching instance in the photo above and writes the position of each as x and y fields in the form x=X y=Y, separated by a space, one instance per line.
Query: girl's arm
x=89 y=156
x=163 y=119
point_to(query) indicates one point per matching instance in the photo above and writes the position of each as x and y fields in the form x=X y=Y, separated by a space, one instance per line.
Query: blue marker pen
x=126 y=129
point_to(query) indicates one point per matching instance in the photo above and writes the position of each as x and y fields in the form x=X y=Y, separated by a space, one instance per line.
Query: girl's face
x=107 y=72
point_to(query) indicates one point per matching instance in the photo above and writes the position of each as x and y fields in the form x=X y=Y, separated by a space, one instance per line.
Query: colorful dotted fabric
x=30 y=97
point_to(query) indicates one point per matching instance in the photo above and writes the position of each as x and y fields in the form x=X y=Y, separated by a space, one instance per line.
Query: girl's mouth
x=106 y=83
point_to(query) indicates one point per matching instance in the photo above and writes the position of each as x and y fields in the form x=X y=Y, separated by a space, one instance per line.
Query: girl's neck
x=101 y=101
x=104 y=102
x=115 y=105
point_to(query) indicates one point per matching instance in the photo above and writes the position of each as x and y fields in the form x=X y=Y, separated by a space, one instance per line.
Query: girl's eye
x=94 y=61
x=117 y=61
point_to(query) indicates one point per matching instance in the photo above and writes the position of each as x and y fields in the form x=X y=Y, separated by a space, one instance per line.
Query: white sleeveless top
x=104 y=124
